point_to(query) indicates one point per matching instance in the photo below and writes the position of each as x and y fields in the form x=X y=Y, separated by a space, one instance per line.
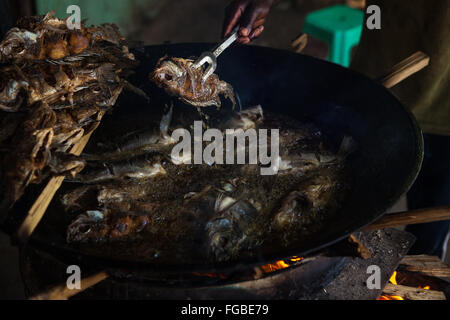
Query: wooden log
x=419 y=280
x=351 y=247
x=40 y=206
x=427 y=265
x=62 y=292
x=404 y=69
x=410 y=293
x=411 y=217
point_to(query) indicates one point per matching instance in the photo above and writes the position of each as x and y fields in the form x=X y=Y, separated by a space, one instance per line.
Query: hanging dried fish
x=31 y=154
x=47 y=37
x=55 y=85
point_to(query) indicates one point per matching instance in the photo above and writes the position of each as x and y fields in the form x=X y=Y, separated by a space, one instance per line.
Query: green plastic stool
x=340 y=27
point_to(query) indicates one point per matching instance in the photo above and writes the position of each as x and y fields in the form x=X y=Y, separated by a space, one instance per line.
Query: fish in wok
x=179 y=78
x=209 y=212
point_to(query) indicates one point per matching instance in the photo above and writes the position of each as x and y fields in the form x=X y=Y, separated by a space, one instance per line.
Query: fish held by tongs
x=187 y=80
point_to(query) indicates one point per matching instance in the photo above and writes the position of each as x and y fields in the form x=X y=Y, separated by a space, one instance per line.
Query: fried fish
x=179 y=78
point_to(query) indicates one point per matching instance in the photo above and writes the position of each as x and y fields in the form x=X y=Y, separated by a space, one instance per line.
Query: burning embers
x=392 y=280
x=260 y=271
x=282 y=264
x=400 y=288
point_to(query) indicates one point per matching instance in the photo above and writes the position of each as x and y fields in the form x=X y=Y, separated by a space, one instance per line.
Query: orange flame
x=282 y=264
x=425 y=288
x=392 y=280
x=275 y=266
x=387 y=297
x=268 y=268
x=296 y=259
x=210 y=275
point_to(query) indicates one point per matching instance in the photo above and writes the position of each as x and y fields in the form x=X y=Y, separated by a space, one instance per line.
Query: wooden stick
x=300 y=43
x=62 y=292
x=410 y=293
x=356 y=4
x=427 y=265
x=404 y=69
x=40 y=206
x=411 y=217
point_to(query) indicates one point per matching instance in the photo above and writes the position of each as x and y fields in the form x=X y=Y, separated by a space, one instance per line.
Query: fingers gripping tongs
x=210 y=57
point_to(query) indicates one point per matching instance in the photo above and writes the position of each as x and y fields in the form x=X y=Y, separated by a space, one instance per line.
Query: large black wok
x=384 y=166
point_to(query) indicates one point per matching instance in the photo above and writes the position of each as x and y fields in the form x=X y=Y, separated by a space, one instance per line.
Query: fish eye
x=168 y=77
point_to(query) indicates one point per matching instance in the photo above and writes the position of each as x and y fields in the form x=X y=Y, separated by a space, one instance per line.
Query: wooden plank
x=410 y=293
x=411 y=217
x=404 y=69
x=40 y=206
x=427 y=265
x=62 y=292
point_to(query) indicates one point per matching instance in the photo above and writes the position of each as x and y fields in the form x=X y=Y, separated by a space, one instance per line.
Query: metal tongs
x=210 y=57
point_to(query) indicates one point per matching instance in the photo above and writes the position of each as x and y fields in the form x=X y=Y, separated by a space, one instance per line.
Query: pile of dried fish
x=136 y=201
x=55 y=86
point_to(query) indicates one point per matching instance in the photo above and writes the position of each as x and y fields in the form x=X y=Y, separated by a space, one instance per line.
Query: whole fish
x=139 y=168
x=139 y=143
x=178 y=78
x=93 y=226
x=233 y=230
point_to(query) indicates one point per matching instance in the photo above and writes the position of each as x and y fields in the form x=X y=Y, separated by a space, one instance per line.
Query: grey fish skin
x=302 y=162
x=140 y=143
x=245 y=119
x=9 y=97
x=312 y=197
x=99 y=227
x=232 y=231
x=106 y=195
x=142 y=168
